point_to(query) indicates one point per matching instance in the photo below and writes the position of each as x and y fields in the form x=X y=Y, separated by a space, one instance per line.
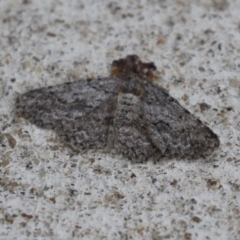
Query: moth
x=127 y=112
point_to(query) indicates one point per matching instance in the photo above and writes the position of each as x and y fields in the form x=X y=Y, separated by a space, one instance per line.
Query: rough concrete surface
x=49 y=192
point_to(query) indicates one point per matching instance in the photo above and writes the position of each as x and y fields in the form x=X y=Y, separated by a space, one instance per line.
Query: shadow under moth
x=127 y=112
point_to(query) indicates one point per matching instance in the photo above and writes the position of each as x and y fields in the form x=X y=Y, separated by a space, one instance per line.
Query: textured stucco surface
x=49 y=192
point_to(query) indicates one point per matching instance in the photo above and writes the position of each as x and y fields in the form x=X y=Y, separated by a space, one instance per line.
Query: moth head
x=131 y=65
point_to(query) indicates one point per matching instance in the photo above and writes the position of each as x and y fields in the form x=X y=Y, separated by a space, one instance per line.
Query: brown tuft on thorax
x=131 y=65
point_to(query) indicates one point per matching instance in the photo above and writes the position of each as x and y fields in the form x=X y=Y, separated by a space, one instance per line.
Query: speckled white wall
x=49 y=192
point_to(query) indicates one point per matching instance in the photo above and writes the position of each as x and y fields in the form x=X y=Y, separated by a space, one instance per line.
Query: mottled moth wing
x=131 y=136
x=172 y=128
x=81 y=112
